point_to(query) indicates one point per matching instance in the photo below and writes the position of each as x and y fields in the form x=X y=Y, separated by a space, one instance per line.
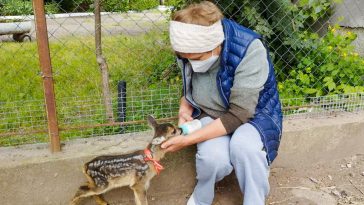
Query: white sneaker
x=191 y=200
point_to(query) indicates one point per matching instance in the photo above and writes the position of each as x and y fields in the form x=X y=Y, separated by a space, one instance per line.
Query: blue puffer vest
x=268 y=115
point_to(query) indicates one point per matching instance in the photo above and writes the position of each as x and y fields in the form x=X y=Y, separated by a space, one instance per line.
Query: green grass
x=145 y=62
x=134 y=59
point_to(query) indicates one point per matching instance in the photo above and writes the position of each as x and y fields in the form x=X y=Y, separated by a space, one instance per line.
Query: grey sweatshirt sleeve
x=250 y=76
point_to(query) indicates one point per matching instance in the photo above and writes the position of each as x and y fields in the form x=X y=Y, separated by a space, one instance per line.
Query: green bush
x=126 y=5
x=116 y=5
x=15 y=7
x=175 y=3
x=23 y=7
x=140 y=5
x=327 y=65
x=136 y=5
x=304 y=65
x=51 y=8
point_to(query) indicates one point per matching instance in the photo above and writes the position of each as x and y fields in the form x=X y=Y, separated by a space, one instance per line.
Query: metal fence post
x=121 y=114
x=46 y=67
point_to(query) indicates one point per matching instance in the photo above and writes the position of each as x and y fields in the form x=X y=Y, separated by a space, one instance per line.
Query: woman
x=229 y=85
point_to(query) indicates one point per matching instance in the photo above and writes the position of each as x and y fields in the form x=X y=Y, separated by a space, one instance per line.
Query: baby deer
x=134 y=170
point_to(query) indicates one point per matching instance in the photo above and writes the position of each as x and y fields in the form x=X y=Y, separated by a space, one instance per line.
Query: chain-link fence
x=315 y=46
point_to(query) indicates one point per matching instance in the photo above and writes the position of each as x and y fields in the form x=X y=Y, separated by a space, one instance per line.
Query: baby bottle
x=191 y=126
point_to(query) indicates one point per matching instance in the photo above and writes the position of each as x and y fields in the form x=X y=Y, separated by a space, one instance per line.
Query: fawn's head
x=162 y=132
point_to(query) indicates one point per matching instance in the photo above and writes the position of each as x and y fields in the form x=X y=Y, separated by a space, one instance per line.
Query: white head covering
x=192 y=38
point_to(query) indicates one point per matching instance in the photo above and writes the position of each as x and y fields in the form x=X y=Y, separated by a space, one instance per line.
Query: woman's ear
x=152 y=122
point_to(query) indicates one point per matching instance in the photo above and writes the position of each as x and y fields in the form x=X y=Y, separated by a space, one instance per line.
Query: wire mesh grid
x=322 y=107
x=86 y=117
x=310 y=44
x=24 y=119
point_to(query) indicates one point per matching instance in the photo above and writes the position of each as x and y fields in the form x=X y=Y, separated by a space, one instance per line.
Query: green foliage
x=140 y=5
x=306 y=64
x=116 y=5
x=136 y=5
x=51 y=8
x=126 y=5
x=23 y=7
x=175 y=3
x=327 y=65
x=15 y=7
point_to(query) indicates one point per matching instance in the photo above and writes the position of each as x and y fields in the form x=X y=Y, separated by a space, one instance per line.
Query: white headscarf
x=192 y=38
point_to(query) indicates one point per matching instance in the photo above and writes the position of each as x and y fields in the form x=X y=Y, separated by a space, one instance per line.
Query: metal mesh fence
x=315 y=46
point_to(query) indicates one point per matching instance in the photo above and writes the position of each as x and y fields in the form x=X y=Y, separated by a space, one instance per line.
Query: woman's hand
x=175 y=143
x=209 y=131
x=185 y=112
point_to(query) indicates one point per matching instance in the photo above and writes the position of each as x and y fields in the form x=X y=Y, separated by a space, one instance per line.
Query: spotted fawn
x=135 y=170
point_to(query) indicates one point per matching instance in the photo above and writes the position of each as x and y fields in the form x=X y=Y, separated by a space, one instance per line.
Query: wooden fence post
x=46 y=67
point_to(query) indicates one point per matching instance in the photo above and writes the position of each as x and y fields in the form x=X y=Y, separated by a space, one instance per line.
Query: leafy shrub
x=15 y=7
x=140 y=5
x=306 y=65
x=327 y=65
x=115 y=5
x=175 y=3
x=51 y=8
x=23 y=7
x=126 y=5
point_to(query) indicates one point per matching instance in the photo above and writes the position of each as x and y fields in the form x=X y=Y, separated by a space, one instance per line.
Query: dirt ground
x=331 y=183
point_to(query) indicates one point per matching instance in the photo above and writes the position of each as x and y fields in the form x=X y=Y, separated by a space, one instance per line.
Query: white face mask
x=201 y=66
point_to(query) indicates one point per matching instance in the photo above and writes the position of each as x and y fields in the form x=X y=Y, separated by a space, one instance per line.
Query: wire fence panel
x=88 y=117
x=322 y=106
x=24 y=119
x=316 y=47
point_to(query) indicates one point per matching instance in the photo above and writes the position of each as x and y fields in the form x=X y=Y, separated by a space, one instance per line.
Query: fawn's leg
x=85 y=191
x=100 y=200
x=140 y=193
x=81 y=191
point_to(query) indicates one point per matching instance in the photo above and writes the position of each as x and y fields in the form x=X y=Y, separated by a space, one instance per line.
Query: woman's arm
x=212 y=130
x=185 y=111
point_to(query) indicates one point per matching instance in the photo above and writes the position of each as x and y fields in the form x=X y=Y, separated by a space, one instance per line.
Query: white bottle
x=191 y=126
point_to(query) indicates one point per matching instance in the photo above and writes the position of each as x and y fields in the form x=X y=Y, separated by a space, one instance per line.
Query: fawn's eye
x=174 y=131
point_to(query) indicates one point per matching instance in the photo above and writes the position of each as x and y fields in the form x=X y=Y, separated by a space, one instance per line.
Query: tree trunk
x=102 y=64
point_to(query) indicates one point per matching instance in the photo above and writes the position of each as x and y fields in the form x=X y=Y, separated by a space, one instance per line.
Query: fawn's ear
x=152 y=122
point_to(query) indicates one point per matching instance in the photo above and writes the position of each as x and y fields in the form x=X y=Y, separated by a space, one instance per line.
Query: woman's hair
x=204 y=13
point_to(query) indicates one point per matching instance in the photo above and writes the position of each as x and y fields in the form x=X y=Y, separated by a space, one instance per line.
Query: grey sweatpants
x=241 y=151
